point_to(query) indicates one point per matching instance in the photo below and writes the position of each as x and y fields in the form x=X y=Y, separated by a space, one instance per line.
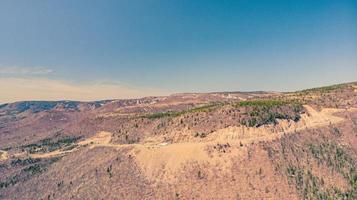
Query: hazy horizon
x=81 y=50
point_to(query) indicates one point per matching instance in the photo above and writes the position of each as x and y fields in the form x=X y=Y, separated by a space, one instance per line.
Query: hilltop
x=224 y=145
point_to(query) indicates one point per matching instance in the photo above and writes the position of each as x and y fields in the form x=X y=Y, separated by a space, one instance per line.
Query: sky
x=88 y=50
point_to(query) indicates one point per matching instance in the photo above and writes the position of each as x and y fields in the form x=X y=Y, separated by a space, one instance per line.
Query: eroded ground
x=250 y=149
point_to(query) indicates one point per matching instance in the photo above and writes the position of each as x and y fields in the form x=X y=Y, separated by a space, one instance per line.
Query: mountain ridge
x=299 y=145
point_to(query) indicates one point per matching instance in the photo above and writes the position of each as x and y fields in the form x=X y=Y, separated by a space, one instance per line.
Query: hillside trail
x=245 y=135
x=218 y=148
x=160 y=160
x=236 y=135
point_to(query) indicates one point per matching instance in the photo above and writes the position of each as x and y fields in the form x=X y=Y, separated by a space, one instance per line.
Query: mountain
x=224 y=145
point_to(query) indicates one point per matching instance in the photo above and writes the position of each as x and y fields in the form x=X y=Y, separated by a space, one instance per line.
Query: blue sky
x=162 y=47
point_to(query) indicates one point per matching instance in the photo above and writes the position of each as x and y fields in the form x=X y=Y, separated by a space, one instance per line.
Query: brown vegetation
x=300 y=145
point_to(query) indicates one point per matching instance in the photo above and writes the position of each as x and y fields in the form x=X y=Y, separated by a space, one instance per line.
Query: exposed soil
x=185 y=146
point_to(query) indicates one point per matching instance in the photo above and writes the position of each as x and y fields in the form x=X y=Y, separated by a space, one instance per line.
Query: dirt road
x=242 y=135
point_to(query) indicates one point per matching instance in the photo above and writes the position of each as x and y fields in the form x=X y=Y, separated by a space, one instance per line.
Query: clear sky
x=85 y=49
